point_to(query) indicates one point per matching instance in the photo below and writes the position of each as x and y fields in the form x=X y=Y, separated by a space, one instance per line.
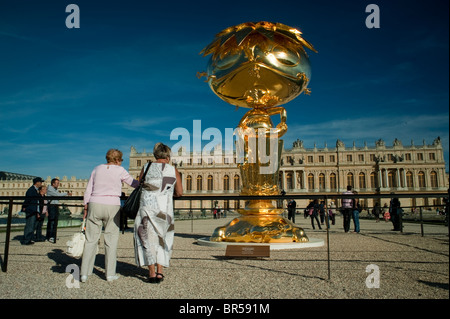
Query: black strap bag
x=131 y=206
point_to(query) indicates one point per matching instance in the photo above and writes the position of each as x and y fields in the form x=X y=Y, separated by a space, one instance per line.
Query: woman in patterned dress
x=154 y=224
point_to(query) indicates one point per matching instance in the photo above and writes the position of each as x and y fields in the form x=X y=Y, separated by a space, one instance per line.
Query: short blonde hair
x=114 y=155
x=161 y=151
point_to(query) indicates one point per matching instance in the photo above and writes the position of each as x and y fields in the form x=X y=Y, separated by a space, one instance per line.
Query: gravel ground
x=410 y=267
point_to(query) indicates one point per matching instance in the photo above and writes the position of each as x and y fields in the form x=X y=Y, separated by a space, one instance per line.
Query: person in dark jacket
x=314 y=213
x=355 y=213
x=31 y=209
x=40 y=217
x=395 y=211
x=292 y=206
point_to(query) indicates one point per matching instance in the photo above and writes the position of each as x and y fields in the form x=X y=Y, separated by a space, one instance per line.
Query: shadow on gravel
x=257 y=266
x=193 y=236
x=435 y=284
x=406 y=244
x=62 y=260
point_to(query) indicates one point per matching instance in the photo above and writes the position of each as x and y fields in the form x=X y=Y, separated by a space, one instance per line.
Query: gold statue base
x=261 y=221
x=259 y=224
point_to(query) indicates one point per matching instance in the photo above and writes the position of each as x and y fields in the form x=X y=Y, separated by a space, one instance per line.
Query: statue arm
x=282 y=126
x=261 y=117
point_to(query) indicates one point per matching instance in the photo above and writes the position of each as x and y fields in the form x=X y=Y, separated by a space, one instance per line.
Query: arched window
x=409 y=179
x=333 y=184
x=392 y=181
x=226 y=183
x=350 y=181
x=321 y=181
x=362 y=180
x=300 y=179
x=421 y=179
x=289 y=181
x=189 y=183
x=373 y=180
x=199 y=183
x=210 y=182
x=311 y=181
x=237 y=183
x=434 y=179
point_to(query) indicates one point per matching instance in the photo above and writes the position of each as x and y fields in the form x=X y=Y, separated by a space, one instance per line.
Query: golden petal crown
x=247 y=35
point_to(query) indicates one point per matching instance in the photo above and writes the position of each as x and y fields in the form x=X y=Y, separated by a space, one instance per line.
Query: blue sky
x=127 y=76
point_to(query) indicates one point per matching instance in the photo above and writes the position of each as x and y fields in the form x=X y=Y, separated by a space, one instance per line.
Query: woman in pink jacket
x=102 y=204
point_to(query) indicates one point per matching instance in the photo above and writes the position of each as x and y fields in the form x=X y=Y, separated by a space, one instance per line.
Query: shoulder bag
x=131 y=206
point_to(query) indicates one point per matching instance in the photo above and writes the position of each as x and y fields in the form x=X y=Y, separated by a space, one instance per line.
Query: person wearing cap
x=32 y=209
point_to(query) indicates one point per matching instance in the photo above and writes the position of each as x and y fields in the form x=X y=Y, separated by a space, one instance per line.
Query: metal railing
x=17 y=200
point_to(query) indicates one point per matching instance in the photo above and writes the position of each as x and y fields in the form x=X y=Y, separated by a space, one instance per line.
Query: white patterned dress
x=154 y=224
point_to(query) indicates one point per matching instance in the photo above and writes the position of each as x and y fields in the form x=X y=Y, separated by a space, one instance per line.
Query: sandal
x=154 y=280
x=159 y=278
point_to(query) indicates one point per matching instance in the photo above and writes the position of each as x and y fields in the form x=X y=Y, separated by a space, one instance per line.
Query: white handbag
x=75 y=246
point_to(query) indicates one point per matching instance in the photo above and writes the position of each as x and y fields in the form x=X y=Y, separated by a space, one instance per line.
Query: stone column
x=386 y=178
x=404 y=178
x=380 y=179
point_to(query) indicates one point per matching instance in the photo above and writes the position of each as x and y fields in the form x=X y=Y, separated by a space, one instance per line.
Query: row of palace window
x=210 y=183
x=29 y=183
x=310 y=159
x=360 y=157
x=391 y=181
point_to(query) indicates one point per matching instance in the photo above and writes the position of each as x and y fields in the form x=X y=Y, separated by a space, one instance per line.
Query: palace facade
x=369 y=169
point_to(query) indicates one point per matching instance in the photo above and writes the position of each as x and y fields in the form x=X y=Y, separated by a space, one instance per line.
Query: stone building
x=369 y=169
x=379 y=169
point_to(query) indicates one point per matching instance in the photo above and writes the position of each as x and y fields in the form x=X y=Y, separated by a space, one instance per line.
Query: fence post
x=8 y=236
x=327 y=220
x=446 y=212
x=400 y=217
x=192 y=216
x=421 y=221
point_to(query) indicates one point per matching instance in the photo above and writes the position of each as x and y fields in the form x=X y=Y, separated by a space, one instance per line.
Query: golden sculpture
x=259 y=66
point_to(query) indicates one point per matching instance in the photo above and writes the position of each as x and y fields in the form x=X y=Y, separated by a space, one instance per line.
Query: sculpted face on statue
x=258 y=64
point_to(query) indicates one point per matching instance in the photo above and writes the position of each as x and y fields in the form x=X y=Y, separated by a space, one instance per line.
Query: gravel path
x=410 y=266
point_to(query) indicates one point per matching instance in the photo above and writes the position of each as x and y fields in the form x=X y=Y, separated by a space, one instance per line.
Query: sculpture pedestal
x=259 y=229
x=313 y=242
